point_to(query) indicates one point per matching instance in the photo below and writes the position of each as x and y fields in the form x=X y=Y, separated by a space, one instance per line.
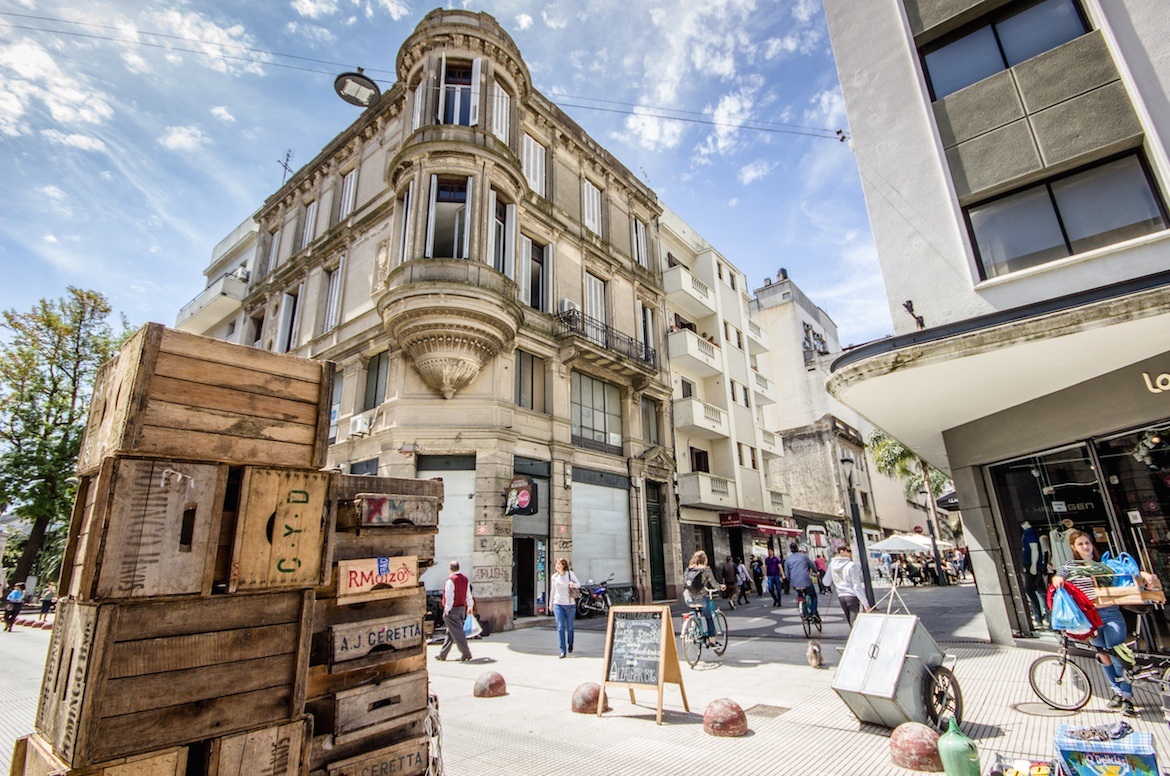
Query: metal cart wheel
x=942 y=697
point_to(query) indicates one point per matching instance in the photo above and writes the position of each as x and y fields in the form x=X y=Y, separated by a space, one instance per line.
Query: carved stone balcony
x=451 y=318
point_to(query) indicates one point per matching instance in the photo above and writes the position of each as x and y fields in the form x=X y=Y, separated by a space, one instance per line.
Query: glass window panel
x=963 y=62
x=1040 y=28
x=1107 y=204
x=1017 y=232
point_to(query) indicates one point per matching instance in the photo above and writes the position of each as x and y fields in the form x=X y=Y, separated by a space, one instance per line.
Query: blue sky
x=125 y=161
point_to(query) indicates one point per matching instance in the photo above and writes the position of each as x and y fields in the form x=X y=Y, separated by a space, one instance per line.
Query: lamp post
x=848 y=462
x=928 y=505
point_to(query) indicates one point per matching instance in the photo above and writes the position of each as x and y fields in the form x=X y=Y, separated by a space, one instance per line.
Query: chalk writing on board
x=635 y=655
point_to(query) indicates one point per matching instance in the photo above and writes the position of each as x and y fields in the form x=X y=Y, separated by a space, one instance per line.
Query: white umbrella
x=924 y=542
x=897 y=543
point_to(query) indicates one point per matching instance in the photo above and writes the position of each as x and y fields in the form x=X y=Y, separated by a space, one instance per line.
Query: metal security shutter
x=456 y=535
x=601 y=533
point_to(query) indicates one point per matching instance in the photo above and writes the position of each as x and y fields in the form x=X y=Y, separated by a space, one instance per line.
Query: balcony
x=764 y=389
x=691 y=296
x=700 y=419
x=757 y=339
x=771 y=446
x=220 y=299
x=700 y=489
x=693 y=355
x=605 y=346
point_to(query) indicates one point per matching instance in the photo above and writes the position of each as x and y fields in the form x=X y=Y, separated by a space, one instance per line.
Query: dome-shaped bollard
x=490 y=685
x=724 y=717
x=585 y=698
x=915 y=746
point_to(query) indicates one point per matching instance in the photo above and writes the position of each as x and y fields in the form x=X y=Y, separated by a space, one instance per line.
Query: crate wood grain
x=345 y=489
x=408 y=758
x=129 y=678
x=386 y=543
x=322 y=682
x=170 y=393
x=387 y=510
x=375 y=641
x=374 y=707
x=281 y=529
x=281 y=750
x=373 y=579
x=32 y=756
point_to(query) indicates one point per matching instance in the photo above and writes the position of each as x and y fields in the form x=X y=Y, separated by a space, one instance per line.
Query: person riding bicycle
x=698 y=582
x=800 y=570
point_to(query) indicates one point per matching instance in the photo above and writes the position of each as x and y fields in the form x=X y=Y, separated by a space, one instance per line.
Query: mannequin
x=1035 y=573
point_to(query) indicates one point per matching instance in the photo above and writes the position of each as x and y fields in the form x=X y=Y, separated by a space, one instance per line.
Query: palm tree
x=894 y=459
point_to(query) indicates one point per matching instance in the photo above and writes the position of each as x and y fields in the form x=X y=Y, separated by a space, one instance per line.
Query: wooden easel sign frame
x=640 y=652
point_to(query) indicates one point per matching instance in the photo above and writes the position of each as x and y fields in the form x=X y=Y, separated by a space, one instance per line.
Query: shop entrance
x=654 y=539
x=529 y=576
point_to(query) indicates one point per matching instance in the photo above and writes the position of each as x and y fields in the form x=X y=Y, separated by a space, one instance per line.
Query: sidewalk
x=797 y=723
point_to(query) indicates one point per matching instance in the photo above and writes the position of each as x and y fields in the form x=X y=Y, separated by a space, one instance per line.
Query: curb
x=40 y=624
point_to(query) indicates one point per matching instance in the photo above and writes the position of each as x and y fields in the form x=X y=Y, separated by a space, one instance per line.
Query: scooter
x=594 y=598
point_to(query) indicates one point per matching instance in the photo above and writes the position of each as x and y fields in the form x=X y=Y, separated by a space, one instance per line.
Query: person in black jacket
x=730 y=583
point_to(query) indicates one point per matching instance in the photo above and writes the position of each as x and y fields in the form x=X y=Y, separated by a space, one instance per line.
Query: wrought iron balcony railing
x=597 y=332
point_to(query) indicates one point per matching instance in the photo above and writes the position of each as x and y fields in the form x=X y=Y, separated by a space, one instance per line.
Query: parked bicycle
x=807 y=620
x=694 y=632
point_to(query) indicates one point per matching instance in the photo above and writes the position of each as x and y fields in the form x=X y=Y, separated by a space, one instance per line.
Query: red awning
x=761 y=521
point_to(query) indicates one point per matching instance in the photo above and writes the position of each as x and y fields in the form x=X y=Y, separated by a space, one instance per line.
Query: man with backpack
x=698 y=582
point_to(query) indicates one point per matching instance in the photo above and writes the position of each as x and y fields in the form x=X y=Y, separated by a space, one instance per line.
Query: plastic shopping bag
x=1122 y=564
x=471 y=627
x=1067 y=616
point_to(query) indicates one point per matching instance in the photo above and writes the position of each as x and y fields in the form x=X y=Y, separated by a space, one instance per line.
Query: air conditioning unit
x=359 y=426
x=240 y=273
x=567 y=305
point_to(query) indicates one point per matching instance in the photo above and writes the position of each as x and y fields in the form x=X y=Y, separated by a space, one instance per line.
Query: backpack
x=695 y=581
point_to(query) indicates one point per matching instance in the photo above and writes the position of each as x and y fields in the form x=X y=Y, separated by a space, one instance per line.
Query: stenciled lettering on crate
x=64 y=688
x=281 y=750
x=174 y=394
x=383 y=509
x=379 y=639
x=33 y=756
x=409 y=758
x=372 y=579
x=281 y=530
x=373 y=708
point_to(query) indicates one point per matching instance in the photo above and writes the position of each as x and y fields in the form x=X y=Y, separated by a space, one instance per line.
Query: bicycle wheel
x=692 y=640
x=719 y=640
x=804 y=620
x=817 y=622
x=1062 y=684
x=942 y=697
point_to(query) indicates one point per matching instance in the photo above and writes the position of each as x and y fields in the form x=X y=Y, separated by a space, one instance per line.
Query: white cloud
x=134 y=63
x=652 y=132
x=49 y=237
x=315 y=33
x=314 y=9
x=183 y=139
x=395 y=8
x=216 y=42
x=84 y=142
x=729 y=114
x=750 y=173
x=733 y=202
x=828 y=109
x=223 y=114
x=523 y=21
x=803 y=10
x=551 y=23
x=29 y=74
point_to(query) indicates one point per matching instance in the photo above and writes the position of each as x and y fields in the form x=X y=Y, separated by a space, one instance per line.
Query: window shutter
x=442 y=91
x=310 y=223
x=548 y=300
x=295 y=334
x=510 y=242
x=333 y=300
x=476 y=66
x=491 y=247
x=524 y=273
x=348 y=192
x=430 y=251
x=467 y=217
x=287 y=305
x=501 y=108
x=420 y=95
x=407 y=201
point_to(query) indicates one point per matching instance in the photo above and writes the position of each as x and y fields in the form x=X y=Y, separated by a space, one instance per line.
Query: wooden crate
x=417 y=502
x=281 y=530
x=32 y=756
x=375 y=641
x=145 y=527
x=281 y=750
x=128 y=678
x=173 y=394
x=409 y=758
x=375 y=579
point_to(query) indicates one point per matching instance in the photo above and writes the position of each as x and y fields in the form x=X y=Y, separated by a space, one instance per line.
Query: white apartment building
x=483 y=274
x=1014 y=161
x=726 y=506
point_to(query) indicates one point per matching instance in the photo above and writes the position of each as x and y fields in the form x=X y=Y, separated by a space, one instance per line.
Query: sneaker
x=1115 y=703
x=562 y=656
x=570 y=647
x=1127 y=708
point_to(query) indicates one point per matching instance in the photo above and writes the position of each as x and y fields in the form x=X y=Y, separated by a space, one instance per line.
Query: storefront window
x=1136 y=470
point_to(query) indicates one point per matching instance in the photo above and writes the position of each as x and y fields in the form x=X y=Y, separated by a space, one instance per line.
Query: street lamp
x=928 y=504
x=847 y=463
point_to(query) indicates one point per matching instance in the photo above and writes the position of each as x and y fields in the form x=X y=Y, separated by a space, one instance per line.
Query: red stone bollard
x=585 y=698
x=490 y=685
x=915 y=746
x=724 y=717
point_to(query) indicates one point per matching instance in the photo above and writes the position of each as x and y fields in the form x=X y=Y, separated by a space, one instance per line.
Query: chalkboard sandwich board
x=640 y=652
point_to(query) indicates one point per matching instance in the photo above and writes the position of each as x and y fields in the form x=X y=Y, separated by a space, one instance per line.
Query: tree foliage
x=48 y=360
x=894 y=459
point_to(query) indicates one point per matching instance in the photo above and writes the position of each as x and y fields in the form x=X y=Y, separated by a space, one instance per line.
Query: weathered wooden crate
x=128 y=678
x=385 y=502
x=32 y=756
x=174 y=394
x=144 y=527
x=281 y=530
x=375 y=640
x=358 y=712
x=373 y=579
x=408 y=758
x=281 y=750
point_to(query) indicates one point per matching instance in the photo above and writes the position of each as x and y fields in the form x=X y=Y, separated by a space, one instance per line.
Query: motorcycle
x=594 y=598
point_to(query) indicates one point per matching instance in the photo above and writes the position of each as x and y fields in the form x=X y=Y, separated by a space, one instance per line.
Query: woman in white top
x=565 y=609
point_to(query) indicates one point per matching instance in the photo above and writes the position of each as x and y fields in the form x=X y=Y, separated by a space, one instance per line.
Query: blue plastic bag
x=1066 y=615
x=1122 y=564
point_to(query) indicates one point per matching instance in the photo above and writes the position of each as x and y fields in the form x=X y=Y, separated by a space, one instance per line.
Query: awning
x=761 y=521
x=948 y=501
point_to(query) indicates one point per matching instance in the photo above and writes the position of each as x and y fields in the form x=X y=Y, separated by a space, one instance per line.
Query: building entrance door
x=654 y=539
x=523 y=576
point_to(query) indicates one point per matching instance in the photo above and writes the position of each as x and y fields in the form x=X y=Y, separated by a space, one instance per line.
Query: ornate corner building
x=485 y=277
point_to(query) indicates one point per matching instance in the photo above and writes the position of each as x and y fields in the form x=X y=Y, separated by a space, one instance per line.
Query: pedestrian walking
x=564 y=585
x=744 y=580
x=757 y=567
x=730 y=576
x=774 y=568
x=800 y=571
x=846 y=580
x=13 y=603
x=47 y=599
x=457 y=603
x=698 y=582
x=822 y=567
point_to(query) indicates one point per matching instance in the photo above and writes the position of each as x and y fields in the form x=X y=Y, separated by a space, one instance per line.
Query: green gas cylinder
x=959 y=755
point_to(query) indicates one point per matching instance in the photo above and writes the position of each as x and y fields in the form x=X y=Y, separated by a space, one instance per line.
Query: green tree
x=894 y=459
x=47 y=365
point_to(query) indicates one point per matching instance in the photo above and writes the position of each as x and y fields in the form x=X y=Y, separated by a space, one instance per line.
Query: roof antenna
x=288 y=155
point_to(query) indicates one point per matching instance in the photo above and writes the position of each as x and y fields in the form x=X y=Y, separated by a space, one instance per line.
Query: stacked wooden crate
x=200 y=537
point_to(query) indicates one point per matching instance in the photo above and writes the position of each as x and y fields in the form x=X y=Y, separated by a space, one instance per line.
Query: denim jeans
x=565 y=614
x=1113 y=632
x=810 y=599
x=774 y=588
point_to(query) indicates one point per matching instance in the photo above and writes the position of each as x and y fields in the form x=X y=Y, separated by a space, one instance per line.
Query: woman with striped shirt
x=1080 y=572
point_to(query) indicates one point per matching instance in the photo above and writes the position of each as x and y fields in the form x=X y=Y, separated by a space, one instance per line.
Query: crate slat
x=409 y=758
x=33 y=756
x=375 y=707
x=281 y=530
x=379 y=639
x=281 y=750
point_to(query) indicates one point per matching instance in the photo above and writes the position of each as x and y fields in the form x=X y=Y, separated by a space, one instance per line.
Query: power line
x=826 y=134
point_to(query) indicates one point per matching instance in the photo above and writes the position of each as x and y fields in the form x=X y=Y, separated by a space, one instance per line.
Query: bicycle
x=807 y=620
x=694 y=632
